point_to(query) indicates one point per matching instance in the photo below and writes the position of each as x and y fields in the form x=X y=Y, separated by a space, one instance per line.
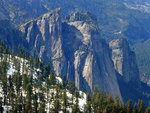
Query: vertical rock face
x=91 y=57
x=124 y=60
x=74 y=47
x=44 y=38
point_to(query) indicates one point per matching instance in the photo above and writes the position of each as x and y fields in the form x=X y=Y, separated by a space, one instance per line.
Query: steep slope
x=143 y=59
x=19 y=11
x=11 y=36
x=16 y=72
x=119 y=18
x=124 y=60
x=116 y=18
x=44 y=38
x=78 y=52
x=92 y=60
x=127 y=72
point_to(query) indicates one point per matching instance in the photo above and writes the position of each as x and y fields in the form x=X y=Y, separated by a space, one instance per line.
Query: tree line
x=29 y=90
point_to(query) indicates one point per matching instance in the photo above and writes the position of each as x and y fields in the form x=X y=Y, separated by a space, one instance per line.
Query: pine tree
x=11 y=92
x=28 y=108
x=129 y=106
x=48 y=86
x=25 y=81
x=88 y=107
x=117 y=104
x=88 y=104
x=42 y=108
x=4 y=80
x=64 y=82
x=42 y=100
x=75 y=108
x=141 y=106
x=65 y=102
x=71 y=87
x=147 y=110
x=46 y=71
x=52 y=79
x=35 y=104
x=95 y=101
x=135 y=110
x=56 y=106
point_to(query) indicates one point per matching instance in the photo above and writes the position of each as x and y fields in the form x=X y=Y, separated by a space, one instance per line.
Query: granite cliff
x=124 y=60
x=44 y=37
x=74 y=47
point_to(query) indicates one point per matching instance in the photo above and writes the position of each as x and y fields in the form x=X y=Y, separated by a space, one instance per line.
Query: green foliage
x=52 y=79
x=26 y=94
x=28 y=108
x=147 y=110
x=141 y=106
x=56 y=106
x=129 y=106
x=65 y=102
x=135 y=110
x=71 y=87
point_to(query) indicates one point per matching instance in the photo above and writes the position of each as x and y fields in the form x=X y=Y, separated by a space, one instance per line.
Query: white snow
x=82 y=101
x=7 y=108
x=59 y=80
x=11 y=70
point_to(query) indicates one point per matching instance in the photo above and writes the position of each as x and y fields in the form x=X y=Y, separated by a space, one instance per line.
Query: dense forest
x=34 y=88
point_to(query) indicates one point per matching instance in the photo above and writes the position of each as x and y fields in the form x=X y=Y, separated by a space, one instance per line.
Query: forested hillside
x=30 y=86
x=48 y=55
x=116 y=18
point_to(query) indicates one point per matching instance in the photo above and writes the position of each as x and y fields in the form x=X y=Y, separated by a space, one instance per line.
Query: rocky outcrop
x=92 y=59
x=44 y=37
x=124 y=60
x=74 y=47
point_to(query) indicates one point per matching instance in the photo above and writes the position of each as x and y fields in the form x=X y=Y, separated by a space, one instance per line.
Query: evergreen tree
x=141 y=106
x=88 y=104
x=25 y=81
x=28 y=108
x=56 y=106
x=64 y=82
x=88 y=107
x=117 y=104
x=11 y=92
x=35 y=104
x=71 y=87
x=42 y=108
x=129 y=106
x=75 y=108
x=48 y=86
x=52 y=79
x=135 y=110
x=65 y=102
x=147 y=110
x=42 y=100
x=46 y=71
x=4 y=80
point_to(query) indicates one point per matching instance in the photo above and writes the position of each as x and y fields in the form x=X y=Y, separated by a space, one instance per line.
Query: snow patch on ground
x=23 y=63
x=82 y=100
x=59 y=80
x=11 y=70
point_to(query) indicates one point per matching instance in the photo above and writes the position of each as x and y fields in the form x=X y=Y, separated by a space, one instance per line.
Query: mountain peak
x=81 y=16
x=124 y=60
x=53 y=13
x=119 y=43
